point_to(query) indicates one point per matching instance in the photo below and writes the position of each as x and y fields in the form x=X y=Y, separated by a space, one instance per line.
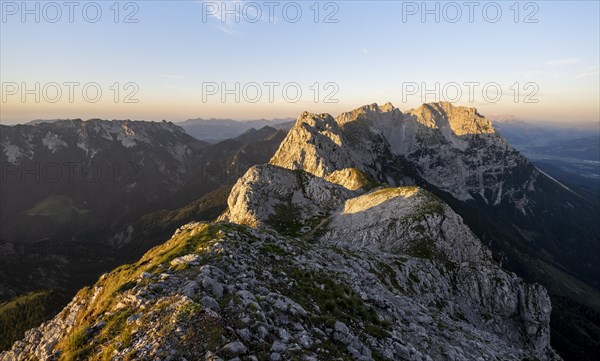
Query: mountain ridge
x=314 y=258
x=361 y=201
x=534 y=225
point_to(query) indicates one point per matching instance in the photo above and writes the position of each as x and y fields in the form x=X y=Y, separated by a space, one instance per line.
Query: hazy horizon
x=211 y=180
x=494 y=117
x=333 y=57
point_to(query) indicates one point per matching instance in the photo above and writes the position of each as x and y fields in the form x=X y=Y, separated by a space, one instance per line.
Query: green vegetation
x=126 y=286
x=77 y=343
x=387 y=276
x=287 y=218
x=103 y=327
x=412 y=278
x=357 y=177
x=60 y=208
x=274 y=249
x=302 y=177
x=336 y=301
x=429 y=206
x=202 y=334
x=116 y=333
x=433 y=206
x=365 y=180
x=22 y=313
x=422 y=248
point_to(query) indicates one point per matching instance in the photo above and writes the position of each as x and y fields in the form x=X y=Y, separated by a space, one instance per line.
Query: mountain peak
x=460 y=120
x=453 y=121
x=372 y=110
x=316 y=120
x=368 y=218
x=326 y=251
x=371 y=136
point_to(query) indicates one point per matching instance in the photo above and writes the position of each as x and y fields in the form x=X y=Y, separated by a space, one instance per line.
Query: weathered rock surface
x=269 y=194
x=445 y=265
x=453 y=148
x=315 y=260
x=285 y=297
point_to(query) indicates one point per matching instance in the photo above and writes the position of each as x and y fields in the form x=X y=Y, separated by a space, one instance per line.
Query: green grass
x=59 y=207
x=77 y=344
x=360 y=178
x=336 y=301
x=287 y=219
x=274 y=249
x=422 y=248
x=387 y=276
x=116 y=334
x=22 y=313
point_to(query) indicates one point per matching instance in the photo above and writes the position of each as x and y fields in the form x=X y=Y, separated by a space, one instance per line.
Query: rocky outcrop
x=404 y=220
x=286 y=199
x=454 y=148
x=220 y=291
x=319 y=256
x=446 y=266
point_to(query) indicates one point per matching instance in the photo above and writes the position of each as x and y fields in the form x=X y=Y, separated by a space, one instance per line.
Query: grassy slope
x=24 y=312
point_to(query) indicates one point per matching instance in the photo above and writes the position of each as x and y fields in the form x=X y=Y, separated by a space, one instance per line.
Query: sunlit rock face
x=324 y=253
x=405 y=220
x=454 y=148
x=455 y=152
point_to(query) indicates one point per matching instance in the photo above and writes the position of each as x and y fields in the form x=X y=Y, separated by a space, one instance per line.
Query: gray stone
x=234 y=348
x=212 y=286
x=210 y=303
x=278 y=347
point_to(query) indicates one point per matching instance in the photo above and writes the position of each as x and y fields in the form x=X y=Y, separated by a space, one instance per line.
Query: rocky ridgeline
x=316 y=258
x=453 y=148
x=117 y=147
x=21 y=142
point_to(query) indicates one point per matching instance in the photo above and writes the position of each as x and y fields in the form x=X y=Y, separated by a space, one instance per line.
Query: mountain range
x=378 y=234
x=215 y=130
x=570 y=153
x=535 y=225
x=82 y=197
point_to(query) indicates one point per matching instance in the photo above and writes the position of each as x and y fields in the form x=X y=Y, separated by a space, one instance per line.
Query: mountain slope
x=456 y=151
x=353 y=243
x=535 y=225
x=216 y=130
x=61 y=235
x=73 y=172
x=226 y=290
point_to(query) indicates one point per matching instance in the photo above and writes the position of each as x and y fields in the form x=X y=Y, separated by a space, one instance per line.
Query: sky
x=177 y=60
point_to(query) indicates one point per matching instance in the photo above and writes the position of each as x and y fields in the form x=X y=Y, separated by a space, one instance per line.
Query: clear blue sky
x=371 y=54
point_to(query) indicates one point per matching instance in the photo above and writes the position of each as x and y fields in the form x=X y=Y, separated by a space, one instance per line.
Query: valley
x=495 y=192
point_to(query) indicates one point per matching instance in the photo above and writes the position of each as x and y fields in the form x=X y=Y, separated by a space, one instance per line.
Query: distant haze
x=546 y=69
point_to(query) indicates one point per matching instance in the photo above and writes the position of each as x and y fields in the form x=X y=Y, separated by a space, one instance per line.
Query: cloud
x=563 y=61
x=229 y=14
x=227 y=30
x=365 y=51
x=223 y=10
x=587 y=73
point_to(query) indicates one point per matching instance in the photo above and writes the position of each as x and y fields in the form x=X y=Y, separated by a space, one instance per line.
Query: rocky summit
x=453 y=148
x=327 y=253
